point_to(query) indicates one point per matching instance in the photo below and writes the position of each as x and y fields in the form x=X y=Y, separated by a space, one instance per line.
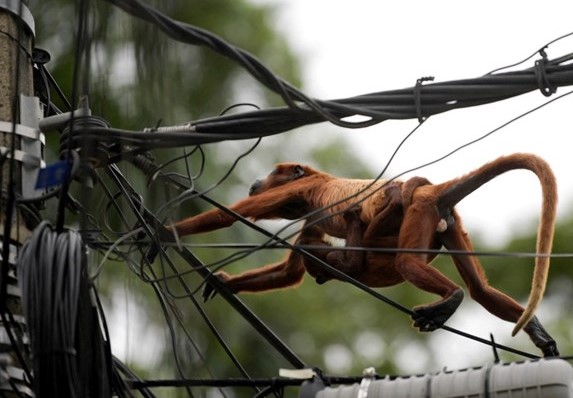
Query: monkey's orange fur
x=412 y=214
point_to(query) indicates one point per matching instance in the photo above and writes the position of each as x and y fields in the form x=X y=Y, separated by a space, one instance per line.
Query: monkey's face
x=282 y=174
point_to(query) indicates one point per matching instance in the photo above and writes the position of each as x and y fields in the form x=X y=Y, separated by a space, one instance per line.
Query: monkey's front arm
x=267 y=205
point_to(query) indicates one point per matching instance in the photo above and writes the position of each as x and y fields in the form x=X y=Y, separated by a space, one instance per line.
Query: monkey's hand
x=152 y=252
x=209 y=290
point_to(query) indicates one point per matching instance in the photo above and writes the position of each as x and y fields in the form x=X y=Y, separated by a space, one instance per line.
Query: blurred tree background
x=138 y=78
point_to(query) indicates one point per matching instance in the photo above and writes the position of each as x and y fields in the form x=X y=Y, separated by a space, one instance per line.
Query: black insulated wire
x=68 y=349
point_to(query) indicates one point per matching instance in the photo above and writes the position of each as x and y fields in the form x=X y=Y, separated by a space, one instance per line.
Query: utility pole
x=18 y=111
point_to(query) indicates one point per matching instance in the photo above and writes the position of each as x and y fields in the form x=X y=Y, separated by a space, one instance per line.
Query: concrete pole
x=16 y=79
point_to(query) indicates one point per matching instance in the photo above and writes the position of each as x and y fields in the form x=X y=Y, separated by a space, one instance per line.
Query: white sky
x=363 y=46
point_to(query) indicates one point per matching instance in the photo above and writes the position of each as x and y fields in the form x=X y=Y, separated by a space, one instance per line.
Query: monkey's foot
x=549 y=349
x=431 y=317
x=541 y=338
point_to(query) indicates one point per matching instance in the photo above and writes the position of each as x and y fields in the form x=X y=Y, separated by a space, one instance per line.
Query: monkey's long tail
x=457 y=189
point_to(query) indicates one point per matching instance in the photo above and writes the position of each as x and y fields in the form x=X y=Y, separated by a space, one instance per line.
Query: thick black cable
x=267 y=122
x=397 y=104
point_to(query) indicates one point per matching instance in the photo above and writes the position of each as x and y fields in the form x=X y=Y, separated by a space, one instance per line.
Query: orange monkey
x=422 y=217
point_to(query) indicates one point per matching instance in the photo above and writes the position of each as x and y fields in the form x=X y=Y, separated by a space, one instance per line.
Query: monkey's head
x=282 y=174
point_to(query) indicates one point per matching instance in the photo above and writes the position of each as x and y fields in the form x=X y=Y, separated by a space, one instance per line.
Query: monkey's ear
x=298 y=172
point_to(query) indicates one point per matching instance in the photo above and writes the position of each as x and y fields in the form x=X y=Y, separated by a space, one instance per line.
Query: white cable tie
x=299 y=374
x=181 y=128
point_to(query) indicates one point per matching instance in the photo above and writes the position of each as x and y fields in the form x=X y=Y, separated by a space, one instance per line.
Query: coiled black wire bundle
x=69 y=355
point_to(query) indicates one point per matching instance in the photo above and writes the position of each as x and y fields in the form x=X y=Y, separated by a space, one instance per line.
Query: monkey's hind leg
x=493 y=300
x=417 y=233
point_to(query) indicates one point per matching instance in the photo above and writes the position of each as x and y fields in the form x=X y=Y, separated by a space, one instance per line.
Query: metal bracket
x=32 y=145
x=62 y=120
x=23 y=131
x=20 y=10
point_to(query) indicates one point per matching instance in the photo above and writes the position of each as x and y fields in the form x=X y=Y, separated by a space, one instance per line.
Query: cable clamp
x=543 y=82
x=418 y=96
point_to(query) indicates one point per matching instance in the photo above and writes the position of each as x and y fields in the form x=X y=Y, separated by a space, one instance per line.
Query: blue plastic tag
x=54 y=174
